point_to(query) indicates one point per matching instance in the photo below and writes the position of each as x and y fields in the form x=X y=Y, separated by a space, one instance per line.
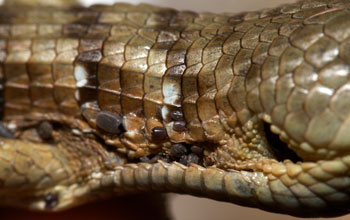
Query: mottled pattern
x=109 y=100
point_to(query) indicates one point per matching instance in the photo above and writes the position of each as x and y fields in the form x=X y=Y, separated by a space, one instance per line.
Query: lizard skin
x=232 y=76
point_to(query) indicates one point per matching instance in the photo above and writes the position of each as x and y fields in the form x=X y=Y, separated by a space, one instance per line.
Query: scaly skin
x=231 y=76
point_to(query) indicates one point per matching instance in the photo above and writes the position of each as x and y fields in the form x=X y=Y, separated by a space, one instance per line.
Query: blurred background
x=179 y=207
x=202 y=5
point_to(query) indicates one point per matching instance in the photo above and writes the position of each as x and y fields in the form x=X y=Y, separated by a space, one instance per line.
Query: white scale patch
x=96 y=175
x=12 y=126
x=165 y=112
x=172 y=93
x=76 y=132
x=81 y=76
x=77 y=95
x=90 y=105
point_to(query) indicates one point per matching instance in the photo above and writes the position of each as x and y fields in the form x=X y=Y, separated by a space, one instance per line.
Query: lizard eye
x=278 y=147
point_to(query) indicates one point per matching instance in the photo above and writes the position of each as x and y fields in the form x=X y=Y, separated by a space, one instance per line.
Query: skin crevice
x=280 y=149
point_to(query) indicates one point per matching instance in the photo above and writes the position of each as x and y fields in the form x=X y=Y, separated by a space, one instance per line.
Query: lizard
x=250 y=108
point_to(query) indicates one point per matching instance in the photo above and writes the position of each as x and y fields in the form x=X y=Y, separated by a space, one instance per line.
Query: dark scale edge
x=2 y=98
x=3 y=54
x=3 y=130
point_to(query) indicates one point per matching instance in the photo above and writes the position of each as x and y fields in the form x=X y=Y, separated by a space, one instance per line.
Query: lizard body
x=250 y=108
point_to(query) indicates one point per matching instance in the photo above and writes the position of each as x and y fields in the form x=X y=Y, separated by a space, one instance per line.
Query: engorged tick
x=108 y=122
x=177 y=115
x=159 y=133
x=179 y=126
x=45 y=130
x=177 y=150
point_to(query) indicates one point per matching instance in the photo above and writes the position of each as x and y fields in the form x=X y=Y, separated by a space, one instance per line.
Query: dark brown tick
x=109 y=122
x=177 y=150
x=45 y=130
x=177 y=115
x=159 y=133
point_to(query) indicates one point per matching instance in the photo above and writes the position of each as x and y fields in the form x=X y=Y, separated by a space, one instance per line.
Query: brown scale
x=108 y=77
x=40 y=75
x=16 y=87
x=151 y=62
x=63 y=74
